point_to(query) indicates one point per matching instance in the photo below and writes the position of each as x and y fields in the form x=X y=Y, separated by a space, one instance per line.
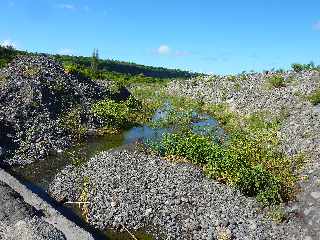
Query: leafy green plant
x=297 y=67
x=111 y=113
x=248 y=159
x=71 y=121
x=277 y=214
x=314 y=98
x=276 y=81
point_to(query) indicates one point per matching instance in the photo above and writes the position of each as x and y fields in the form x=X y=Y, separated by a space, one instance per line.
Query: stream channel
x=38 y=175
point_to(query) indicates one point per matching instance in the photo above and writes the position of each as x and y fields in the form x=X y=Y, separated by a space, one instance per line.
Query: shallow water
x=38 y=175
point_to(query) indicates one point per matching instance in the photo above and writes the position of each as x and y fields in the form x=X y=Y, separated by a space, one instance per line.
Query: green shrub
x=276 y=81
x=111 y=113
x=314 y=98
x=190 y=146
x=248 y=159
x=71 y=121
x=277 y=214
x=72 y=69
x=297 y=67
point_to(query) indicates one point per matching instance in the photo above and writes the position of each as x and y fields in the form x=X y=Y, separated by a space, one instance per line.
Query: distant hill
x=127 y=68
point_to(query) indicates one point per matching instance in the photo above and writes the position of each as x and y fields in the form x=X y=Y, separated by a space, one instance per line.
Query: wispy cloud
x=67 y=6
x=65 y=51
x=316 y=26
x=8 y=43
x=165 y=50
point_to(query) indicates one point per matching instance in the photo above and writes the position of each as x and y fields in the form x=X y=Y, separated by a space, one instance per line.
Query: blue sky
x=206 y=35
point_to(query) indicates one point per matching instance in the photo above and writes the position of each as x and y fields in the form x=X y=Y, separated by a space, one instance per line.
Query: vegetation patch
x=276 y=81
x=277 y=214
x=248 y=159
x=298 y=67
x=72 y=122
x=119 y=115
x=314 y=98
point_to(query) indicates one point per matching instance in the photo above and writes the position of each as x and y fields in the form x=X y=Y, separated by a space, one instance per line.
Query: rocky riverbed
x=36 y=95
x=299 y=130
x=129 y=188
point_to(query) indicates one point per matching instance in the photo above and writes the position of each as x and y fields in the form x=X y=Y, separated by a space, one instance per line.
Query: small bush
x=297 y=67
x=315 y=97
x=248 y=159
x=191 y=146
x=111 y=113
x=276 y=81
x=71 y=121
x=277 y=214
x=72 y=69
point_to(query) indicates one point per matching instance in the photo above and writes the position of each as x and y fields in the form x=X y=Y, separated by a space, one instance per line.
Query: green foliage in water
x=118 y=114
x=314 y=98
x=111 y=113
x=248 y=159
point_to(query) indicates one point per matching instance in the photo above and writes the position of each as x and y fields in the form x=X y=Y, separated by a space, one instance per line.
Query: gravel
x=18 y=220
x=173 y=201
x=35 y=93
x=24 y=215
x=299 y=131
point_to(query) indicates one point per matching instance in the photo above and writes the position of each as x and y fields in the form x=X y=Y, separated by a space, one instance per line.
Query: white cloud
x=67 y=6
x=316 y=26
x=65 y=51
x=164 y=50
x=8 y=43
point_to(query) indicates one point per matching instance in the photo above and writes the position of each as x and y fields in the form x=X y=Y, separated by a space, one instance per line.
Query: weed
x=83 y=199
x=276 y=81
x=111 y=113
x=277 y=214
x=232 y=78
x=31 y=72
x=223 y=233
x=314 y=98
x=71 y=121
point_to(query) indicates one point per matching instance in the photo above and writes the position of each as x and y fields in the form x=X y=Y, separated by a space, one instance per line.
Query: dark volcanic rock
x=18 y=220
x=35 y=92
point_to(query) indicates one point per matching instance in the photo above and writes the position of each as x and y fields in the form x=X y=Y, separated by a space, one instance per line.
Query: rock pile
x=18 y=220
x=299 y=130
x=35 y=92
x=131 y=189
